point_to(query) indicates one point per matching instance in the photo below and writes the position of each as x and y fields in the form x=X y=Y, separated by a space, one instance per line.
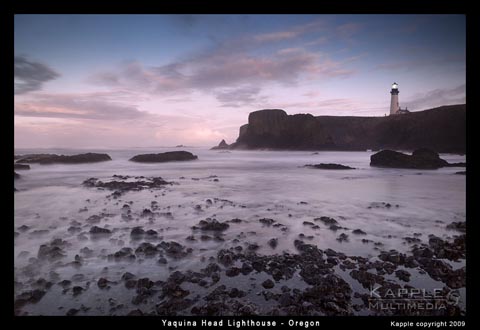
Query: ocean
x=388 y=205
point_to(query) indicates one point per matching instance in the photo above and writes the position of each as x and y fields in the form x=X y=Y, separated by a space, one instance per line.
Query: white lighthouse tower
x=394 y=100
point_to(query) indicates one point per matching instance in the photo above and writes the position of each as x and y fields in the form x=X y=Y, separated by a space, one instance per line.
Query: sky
x=105 y=81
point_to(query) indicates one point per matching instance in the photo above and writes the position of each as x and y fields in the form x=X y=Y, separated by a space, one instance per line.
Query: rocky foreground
x=237 y=279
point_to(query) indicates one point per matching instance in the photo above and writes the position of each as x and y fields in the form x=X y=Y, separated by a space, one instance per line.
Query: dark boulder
x=359 y=232
x=221 y=145
x=98 y=230
x=62 y=159
x=21 y=167
x=330 y=166
x=170 y=156
x=268 y=284
x=212 y=224
x=419 y=159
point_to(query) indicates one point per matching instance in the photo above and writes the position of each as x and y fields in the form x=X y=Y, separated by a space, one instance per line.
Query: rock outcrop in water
x=441 y=129
x=170 y=156
x=419 y=159
x=62 y=159
x=21 y=167
x=221 y=145
x=323 y=166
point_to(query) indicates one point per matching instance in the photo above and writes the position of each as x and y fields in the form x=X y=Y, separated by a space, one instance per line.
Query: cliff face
x=442 y=129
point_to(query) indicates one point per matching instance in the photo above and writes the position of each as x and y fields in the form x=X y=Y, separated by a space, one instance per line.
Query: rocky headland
x=441 y=129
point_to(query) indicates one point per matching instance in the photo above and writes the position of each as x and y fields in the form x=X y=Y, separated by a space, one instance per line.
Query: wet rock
x=327 y=221
x=147 y=213
x=174 y=250
x=73 y=230
x=65 y=283
x=52 y=251
x=39 y=232
x=86 y=252
x=308 y=223
x=62 y=159
x=23 y=228
x=122 y=186
x=135 y=312
x=212 y=224
x=162 y=261
x=146 y=249
x=174 y=305
x=268 y=284
x=460 y=226
x=164 y=157
x=151 y=233
x=145 y=283
x=359 y=232
x=420 y=159
x=447 y=250
x=253 y=247
x=128 y=276
x=403 y=275
x=309 y=249
x=273 y=242
x=103 y=283
x=29 y=297
x=392 y=256
x=17 y=166
x=246 y=268
x=266 y=221
x=72 y=312
x=412 y=240
x=98 y=230
x=232 y=271
x=330 y=166
x=137 y=232
x=366 y=279
x=125 y=253
x=225 y=257
x=422 y=252
x=130 y=284
x=342 y=237
x=221 y=145
x=461 y=172
x=76 y=290
x=285 y=300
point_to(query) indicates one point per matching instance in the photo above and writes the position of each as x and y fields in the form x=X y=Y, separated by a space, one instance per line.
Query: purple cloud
x=29 y=76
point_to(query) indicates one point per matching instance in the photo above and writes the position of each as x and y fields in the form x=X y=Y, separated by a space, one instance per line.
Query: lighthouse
x=394 y=99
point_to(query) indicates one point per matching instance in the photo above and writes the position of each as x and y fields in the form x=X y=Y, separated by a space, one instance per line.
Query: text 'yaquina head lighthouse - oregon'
x=394 y=105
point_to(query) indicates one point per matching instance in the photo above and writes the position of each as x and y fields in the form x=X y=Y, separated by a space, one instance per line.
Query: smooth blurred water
x=252 y=185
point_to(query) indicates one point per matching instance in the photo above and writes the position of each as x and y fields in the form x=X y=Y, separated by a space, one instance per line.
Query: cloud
x=436 y=97
x=30 y=76
x=349 y=29
x=318 y=41
x=293 y=32
x=79 y=106
x=239 y=97
x=217 y=70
